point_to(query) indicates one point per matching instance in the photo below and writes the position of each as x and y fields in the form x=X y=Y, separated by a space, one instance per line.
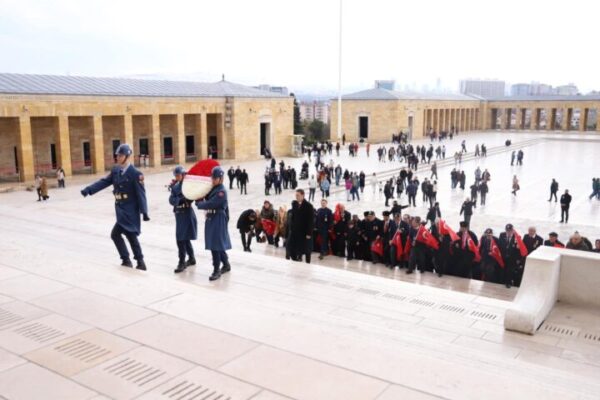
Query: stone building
x=375 y=114
x=77 y=122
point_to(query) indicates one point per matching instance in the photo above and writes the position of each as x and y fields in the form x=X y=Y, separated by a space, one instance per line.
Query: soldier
x=186 y=225
x=216 y=235
x=490 y=267
x=130 y=203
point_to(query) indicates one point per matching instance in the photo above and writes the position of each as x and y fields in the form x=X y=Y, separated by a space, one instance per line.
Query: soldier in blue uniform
x=216 y=235
x=130 y=203
x=186 y=225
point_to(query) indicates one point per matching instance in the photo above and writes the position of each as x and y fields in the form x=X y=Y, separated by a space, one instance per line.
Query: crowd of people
x=398 y=240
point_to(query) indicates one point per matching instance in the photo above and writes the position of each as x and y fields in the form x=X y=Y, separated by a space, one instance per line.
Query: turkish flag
x=268 y=226
x=473 y=249
x=521 y=245
x=495 y=253
x=377 y=247
x=446 y=230
x=424 y=236
x=397 y=242
x=407 y=247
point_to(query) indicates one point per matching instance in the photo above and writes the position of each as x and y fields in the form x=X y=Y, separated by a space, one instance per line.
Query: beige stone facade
x=376 y=114
x=38 y=133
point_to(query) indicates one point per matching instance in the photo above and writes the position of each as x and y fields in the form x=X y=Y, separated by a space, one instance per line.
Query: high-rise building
x=567 y=90
x=520 y=89
x=310 y=111
x=483 y=88
x=273 y=89
x=385 y=84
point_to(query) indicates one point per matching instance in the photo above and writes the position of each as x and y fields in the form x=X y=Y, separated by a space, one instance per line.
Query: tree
x=298 y=127
x=317 y=129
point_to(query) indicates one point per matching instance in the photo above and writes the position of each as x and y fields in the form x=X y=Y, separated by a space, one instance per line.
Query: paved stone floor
x=75 y=325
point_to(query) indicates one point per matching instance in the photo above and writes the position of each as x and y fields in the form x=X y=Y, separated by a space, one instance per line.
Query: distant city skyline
x=201 y=41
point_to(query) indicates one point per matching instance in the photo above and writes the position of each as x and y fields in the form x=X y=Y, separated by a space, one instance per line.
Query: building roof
x=385 y=94
x=89 y=86
x=547 y=97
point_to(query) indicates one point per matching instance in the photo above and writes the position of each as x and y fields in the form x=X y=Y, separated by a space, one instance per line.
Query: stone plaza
x=76 y=325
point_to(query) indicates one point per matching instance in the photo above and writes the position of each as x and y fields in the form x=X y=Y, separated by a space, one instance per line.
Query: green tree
x=298 y=126
x=317 y=129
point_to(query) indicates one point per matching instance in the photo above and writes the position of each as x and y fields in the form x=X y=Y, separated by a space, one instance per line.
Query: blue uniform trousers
x=116 y=236
x=218 y=257
x=185 y=247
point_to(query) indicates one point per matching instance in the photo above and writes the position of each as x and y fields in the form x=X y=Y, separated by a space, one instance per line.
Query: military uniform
x=216 y=235
x=130 y=203
x=186 y=226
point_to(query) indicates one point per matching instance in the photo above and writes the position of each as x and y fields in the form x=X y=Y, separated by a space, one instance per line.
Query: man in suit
x=565 y=203
x=510 y=254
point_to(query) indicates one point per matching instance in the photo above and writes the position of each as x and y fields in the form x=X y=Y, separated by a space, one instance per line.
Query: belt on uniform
x=121 y=196
x=184 y=205
x=211 y=211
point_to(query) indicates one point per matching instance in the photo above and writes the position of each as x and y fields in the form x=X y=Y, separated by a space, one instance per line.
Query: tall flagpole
x=339 y=109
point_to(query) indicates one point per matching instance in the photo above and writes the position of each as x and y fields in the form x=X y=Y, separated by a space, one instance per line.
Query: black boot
x=141 y=265
x=225 y=268
x=190 y=262
x=215 y=275
x=180 y=267
x=127 y=263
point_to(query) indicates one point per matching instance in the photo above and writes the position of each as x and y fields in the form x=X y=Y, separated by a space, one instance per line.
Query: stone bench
x=551 y=275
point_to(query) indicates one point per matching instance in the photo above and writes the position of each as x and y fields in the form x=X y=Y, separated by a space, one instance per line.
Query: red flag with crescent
x=424 y=236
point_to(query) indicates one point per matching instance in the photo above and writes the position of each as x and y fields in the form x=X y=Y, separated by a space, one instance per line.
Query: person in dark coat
x=553 y=190
x=130 y=203
x=245 y=224
x=510 y=254
x=490 y=269
x=186 y=225
x=463 y=256
x=216 y=235
x=553 y=241
x=243 y=181
x=373 y=231
x=324 y=222
x=532 y=240
x=467 y=210
x=565 y=203
x=301 y=228
x=352 y=241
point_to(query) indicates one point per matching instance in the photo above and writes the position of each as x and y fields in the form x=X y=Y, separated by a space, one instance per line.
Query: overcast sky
x=295 y=43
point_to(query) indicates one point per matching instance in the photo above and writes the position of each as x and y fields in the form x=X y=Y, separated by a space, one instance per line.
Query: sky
x=295 y=44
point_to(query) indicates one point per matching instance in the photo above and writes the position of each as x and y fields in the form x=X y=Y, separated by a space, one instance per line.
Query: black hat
x=508 y=227
x=553 y=234
x=386 y=213
x=464 y=224
x=366 y=213
x=489 y=230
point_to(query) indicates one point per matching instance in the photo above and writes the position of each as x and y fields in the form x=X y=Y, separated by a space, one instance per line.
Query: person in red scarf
x=492 y=264
x=553 y=241
x=446 y=236
x=341 y=217
x=464 y=251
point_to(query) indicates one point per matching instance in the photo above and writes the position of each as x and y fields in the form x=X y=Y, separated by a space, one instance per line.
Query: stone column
x=203 y=129
x=26 y=163
x=97 y=145
x=565 y=123
x=128 y=132
x=180 y=142
x=434 y=125
x=519 y=118
x=535 y=119
x=155 y=153
x=468 y=119
x=64 y=145
x=583 y=119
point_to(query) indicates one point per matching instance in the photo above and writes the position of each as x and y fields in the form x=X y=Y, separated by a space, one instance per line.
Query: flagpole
x=339 y=109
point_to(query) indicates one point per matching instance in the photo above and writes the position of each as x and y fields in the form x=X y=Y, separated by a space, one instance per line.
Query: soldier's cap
x=386 y=213
x=123 y=150
x=372 y=213
x=553 y=234
x=508 y=227
x=217 y=172
x=178 y=170
x=488 y=231
x=464 y=224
